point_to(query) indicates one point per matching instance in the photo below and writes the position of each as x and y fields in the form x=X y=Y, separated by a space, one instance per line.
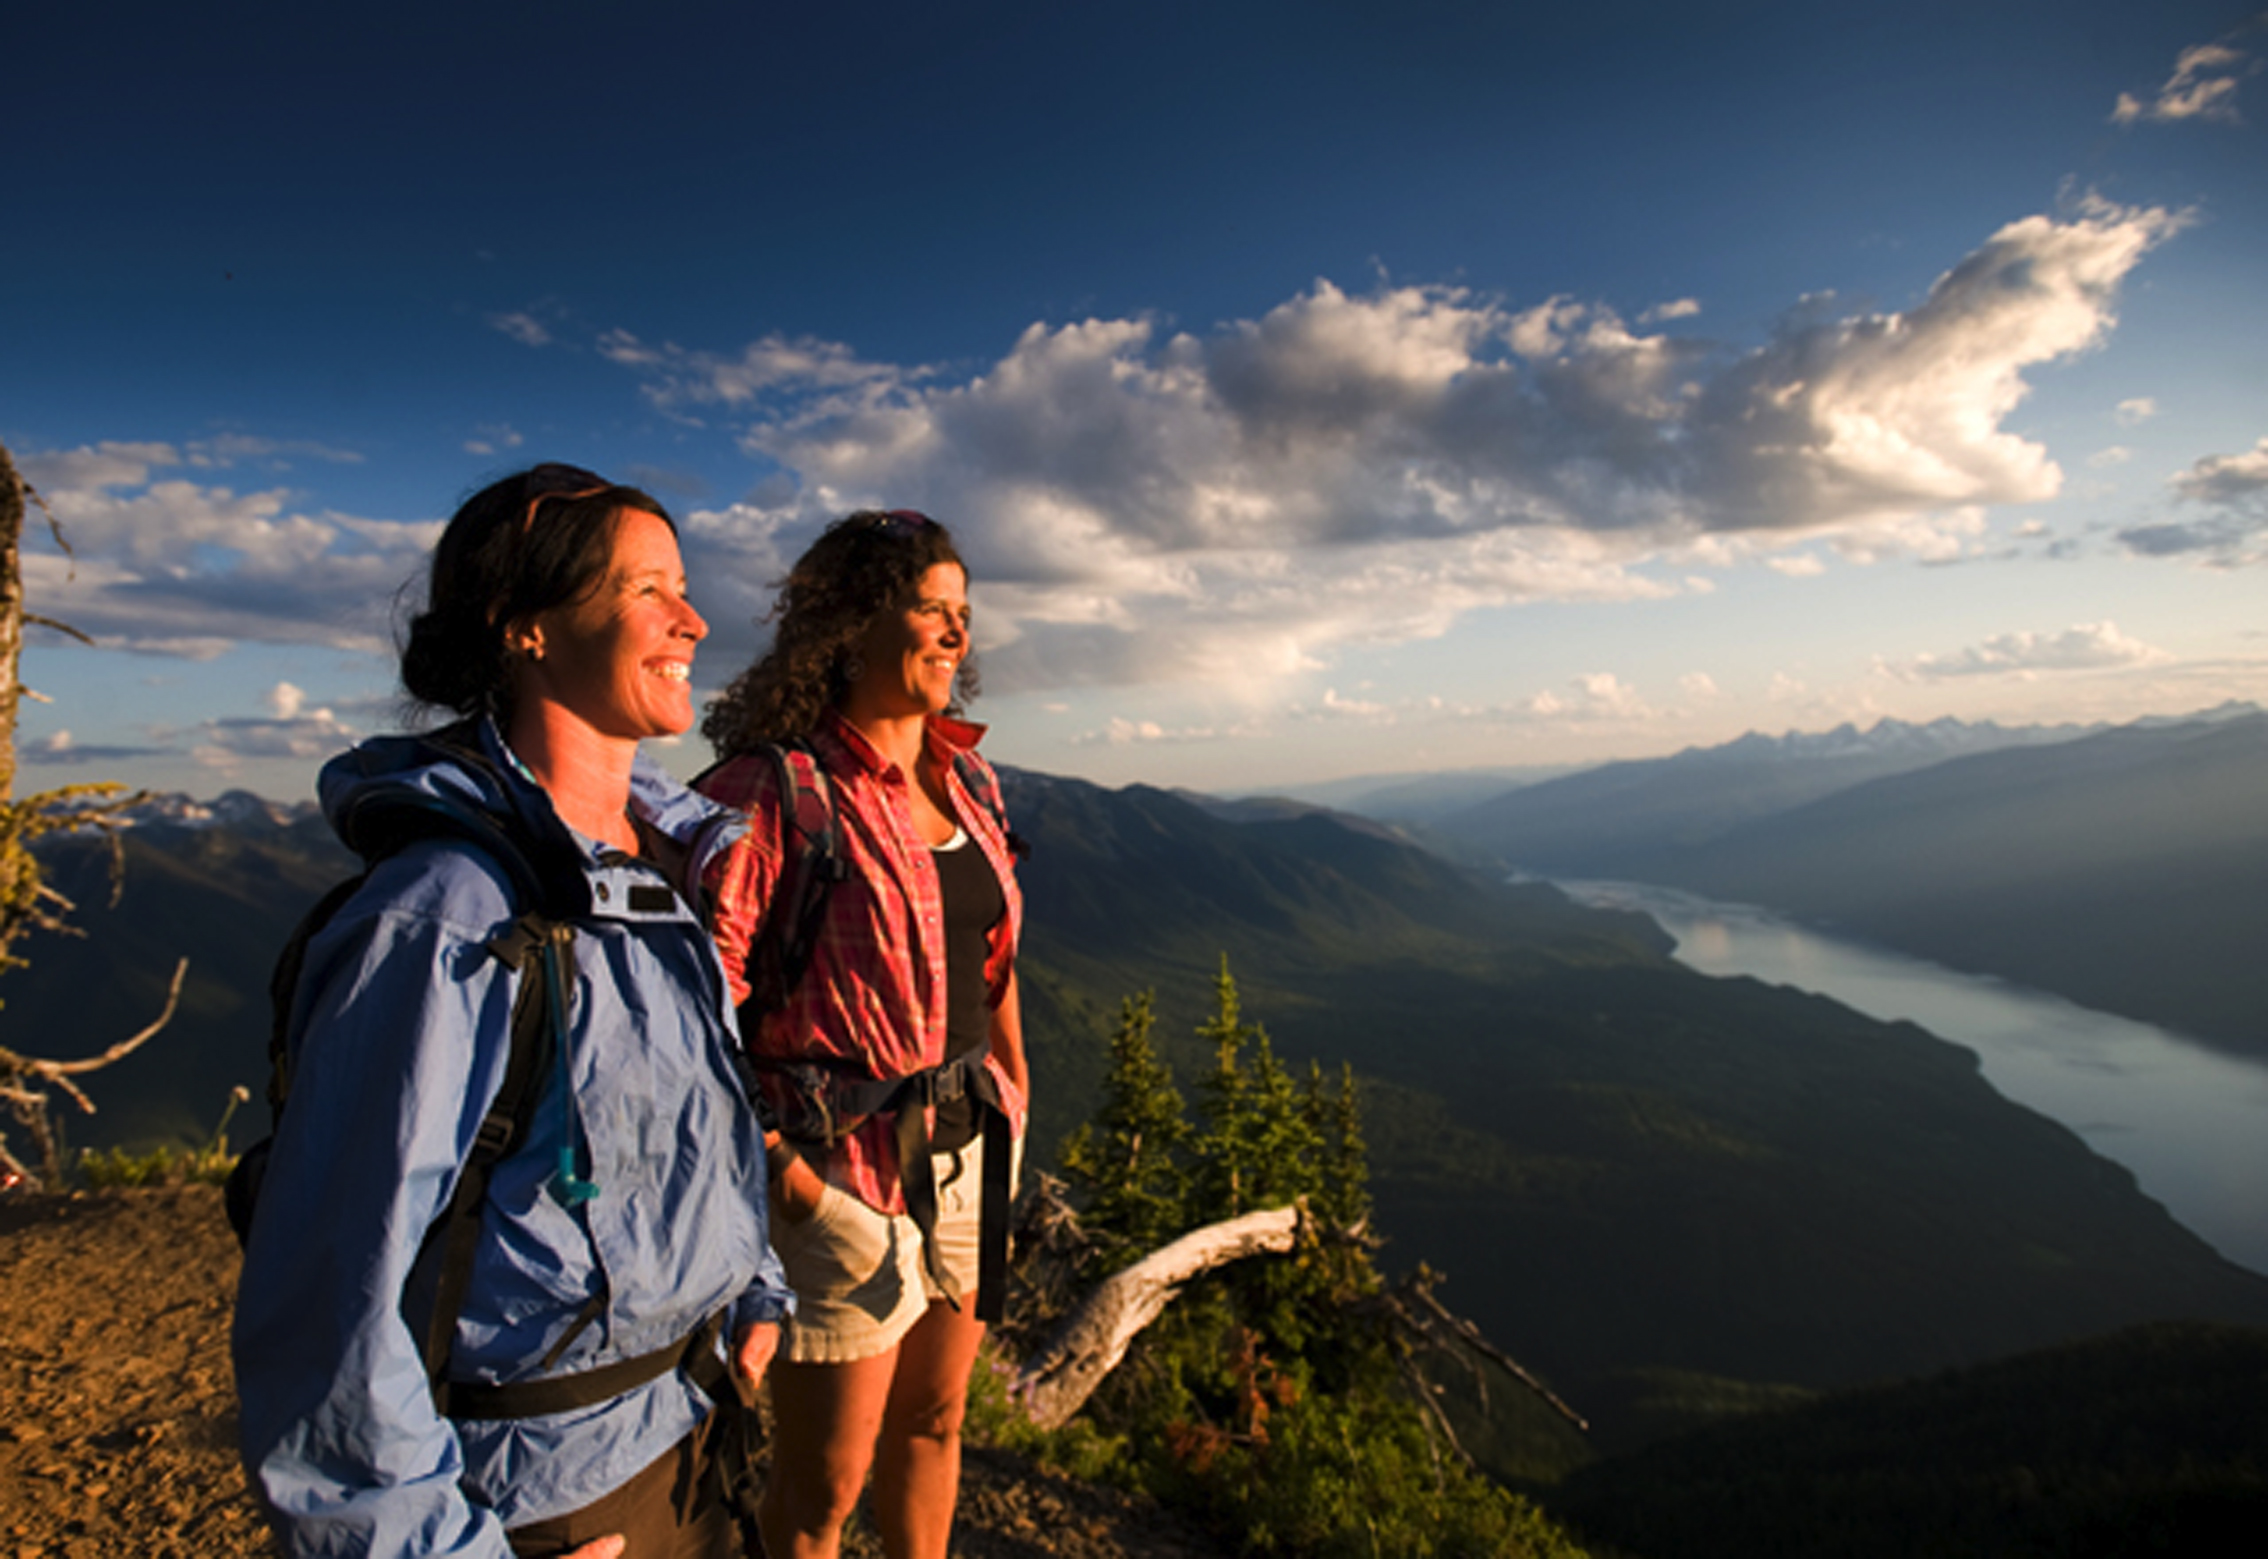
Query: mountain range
x=1597 y=818
x=1629 y=1172
x=2123 y=867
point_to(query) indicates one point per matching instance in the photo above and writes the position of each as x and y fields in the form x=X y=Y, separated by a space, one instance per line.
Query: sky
x=1314 y=389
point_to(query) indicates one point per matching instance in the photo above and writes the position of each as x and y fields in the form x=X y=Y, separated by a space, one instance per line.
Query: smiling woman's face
x=620 y=659
x=913 y=652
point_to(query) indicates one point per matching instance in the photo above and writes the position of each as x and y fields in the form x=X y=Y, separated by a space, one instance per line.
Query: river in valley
x=2191 y=1122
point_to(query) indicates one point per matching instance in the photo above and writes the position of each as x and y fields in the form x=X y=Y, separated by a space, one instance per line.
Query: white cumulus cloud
x=1236 y=504
x=223 y=744
x=169 y=565
x=1122 y=732
x=62 y=749
x=522 y=327
x=2085 y=647
x=1593 y=698
x=1796 y=565
x=677 y=377
x=2231 y=491
x=2227 y=479
x=1844 y=419
x=2203 y=86
x=494 y=439
x=1140 y=503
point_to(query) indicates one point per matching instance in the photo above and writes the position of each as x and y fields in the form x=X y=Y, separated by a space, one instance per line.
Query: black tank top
x=973 y=906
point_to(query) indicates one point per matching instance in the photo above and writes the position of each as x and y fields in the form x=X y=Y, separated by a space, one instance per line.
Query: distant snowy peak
x=1939 y=739
x=230 y=809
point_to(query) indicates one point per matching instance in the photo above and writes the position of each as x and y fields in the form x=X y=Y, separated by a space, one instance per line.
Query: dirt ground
x=118 y=1410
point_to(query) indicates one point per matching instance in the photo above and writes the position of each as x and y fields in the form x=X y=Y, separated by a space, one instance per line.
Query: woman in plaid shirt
x=911 y=975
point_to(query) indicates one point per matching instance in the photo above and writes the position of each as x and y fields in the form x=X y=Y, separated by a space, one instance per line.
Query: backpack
x=826 y=1101
x=535 y=946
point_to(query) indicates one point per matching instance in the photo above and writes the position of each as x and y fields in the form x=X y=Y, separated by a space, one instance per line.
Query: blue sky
x=1316 y=389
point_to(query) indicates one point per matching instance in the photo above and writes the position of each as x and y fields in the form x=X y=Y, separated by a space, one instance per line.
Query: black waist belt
x=695 y=1354
x=907 y=1101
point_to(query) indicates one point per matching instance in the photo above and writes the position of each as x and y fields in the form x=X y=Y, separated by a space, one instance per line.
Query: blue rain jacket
x=399 y=1038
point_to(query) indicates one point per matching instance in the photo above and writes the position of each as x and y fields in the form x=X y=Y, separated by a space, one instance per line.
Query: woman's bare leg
x=917 y=1465
x=824 y=1421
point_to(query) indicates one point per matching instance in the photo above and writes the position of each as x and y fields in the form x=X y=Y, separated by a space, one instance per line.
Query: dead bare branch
x=1437 y=1421
x=58 y=1070
x=1411 y=1306
x=1064 y=1373
x=49 y=622
x=25 y=1080
x=31 y=495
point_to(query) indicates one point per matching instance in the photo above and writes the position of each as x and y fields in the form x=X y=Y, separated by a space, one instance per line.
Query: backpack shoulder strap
x=532 y=947
x=811 y=864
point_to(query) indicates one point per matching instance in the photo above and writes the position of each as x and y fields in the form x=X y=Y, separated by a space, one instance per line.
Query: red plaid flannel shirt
x=875 y=990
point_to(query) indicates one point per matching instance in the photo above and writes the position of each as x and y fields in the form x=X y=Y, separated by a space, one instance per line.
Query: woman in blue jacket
x=621 y=1243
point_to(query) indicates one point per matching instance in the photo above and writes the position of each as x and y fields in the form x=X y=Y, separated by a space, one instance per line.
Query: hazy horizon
x=686 y=756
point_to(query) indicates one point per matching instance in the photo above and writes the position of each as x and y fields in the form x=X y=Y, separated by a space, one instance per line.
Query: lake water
x=2191 y=1122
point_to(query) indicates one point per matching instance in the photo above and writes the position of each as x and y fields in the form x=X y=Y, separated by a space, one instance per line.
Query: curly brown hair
x=861 y=566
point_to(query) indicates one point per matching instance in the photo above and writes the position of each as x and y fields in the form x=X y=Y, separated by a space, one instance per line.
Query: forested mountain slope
x=1621 y=1165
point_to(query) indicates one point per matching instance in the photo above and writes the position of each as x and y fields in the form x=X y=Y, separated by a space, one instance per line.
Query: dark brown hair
x=861 y=566
x=534 y=540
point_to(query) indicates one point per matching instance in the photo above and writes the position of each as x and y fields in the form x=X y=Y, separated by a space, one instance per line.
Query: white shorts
x=857 y=1274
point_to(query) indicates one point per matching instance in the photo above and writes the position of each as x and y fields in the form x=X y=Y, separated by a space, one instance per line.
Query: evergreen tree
x=1260 y=1146
x=1126 y=1162
x=1342 y=1198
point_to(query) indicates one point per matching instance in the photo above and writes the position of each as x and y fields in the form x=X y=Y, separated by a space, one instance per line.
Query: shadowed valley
x=1630 y=1173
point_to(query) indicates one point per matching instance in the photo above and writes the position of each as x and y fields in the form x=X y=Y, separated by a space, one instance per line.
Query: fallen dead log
x=1094 y=1337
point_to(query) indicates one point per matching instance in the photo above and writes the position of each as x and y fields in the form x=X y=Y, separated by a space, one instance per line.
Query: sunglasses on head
x=549 y=481
x=900 y=524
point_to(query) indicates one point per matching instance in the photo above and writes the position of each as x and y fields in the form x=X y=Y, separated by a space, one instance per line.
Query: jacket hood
x=462 y=780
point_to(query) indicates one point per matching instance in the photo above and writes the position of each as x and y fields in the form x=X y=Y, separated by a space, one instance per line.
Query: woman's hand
x=752 y=1351
x=796 y=1190
x=607 y=1547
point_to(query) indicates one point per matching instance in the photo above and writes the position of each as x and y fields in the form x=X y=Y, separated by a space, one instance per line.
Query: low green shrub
x=166 y=1164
